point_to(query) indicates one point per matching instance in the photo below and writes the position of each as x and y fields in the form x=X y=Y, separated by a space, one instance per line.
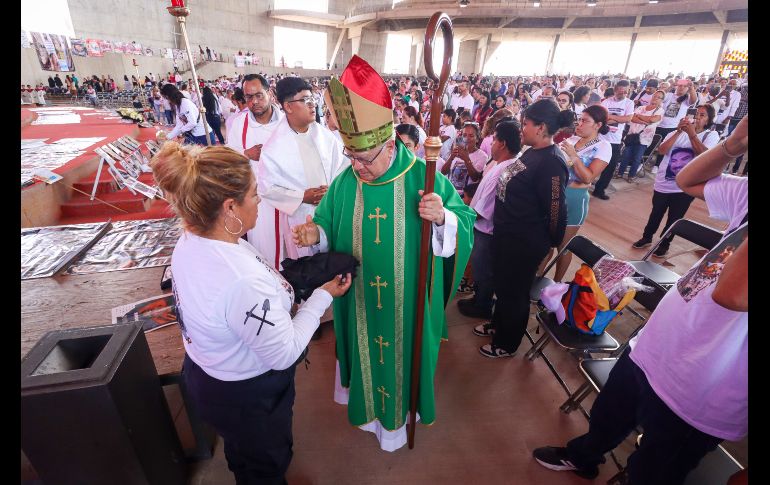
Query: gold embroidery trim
x=414 y=159
x=399 y=238
x=361 y=329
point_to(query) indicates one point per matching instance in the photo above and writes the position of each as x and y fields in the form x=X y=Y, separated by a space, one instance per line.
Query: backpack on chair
x=586 y=307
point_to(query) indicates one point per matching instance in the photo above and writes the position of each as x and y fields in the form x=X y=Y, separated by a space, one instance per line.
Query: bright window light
x=47 y=16
x=691 y=57
x=438 y=54
x=738 y=44
x=300 y=48
x=519 y=57
x=577 y=58
x=310 y=5
x=397 y=53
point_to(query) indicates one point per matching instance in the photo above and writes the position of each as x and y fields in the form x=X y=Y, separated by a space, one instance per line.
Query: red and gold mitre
x=362 y=106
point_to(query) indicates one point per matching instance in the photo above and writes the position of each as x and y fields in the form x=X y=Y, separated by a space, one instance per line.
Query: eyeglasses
x=249 y=97
x=308 y=100
x=360 y=160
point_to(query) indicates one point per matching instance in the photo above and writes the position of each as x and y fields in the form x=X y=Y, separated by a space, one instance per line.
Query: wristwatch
x=570 y=163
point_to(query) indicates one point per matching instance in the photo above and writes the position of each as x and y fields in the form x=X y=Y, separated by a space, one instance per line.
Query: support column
x=481 y=53
x=337 y=48
x=549 y=64
x=722 y=46
x=630 y=51
x=418 y=52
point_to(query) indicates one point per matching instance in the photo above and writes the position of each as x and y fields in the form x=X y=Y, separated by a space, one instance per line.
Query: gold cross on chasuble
x=376 y=216
x=379 y=340
x=381 y=390
x=379 y=285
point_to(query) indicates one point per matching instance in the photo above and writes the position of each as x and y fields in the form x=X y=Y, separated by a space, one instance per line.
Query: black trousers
x=516 y=259
x=670 y=447
x=253 y=417
x=676 y=204
x=609 y=170
x=216 y=126
x=663 y=132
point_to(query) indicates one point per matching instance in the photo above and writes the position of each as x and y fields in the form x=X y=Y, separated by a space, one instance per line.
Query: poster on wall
x=179 y=54
x=168 y=53
x=136 y=49
x=79 y=47
x=53 y=52
x=106 y=46
x=25 y=40
x=94 y=48
x=240 y=61
x=148 y=51
x=255 y=60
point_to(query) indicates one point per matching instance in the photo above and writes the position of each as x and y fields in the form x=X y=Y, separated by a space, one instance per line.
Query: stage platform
x=60 y=203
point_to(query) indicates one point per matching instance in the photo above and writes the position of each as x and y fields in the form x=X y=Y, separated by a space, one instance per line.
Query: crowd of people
x=296 y=162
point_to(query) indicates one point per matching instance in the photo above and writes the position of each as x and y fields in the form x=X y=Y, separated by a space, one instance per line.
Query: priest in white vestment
x=247 y=133
x=297 y=165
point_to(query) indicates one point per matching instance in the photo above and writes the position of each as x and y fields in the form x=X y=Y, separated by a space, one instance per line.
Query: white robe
x=262 y=236
x=282 y=179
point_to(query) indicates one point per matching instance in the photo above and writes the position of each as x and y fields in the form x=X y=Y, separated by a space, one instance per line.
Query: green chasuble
x=378 y=223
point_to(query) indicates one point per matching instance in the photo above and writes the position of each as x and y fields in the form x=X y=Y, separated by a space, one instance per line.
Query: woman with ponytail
x=241 y=337
x=529 y=218
x=587 y=156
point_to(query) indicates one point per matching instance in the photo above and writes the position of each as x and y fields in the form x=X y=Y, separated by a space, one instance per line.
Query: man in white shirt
x=463 y=99
x=621 y=111
x=246 y=133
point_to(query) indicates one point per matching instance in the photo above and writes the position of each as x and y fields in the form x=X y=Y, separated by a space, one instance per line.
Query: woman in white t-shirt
x=587 y=155
x=189 y=122
x=242 y=338
x=640 y=134
x=682 y=145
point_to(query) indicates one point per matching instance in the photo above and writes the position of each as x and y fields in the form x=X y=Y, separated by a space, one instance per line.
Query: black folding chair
x=580 y=246
x=596 y=373
x=575 y=342
x=704 y=236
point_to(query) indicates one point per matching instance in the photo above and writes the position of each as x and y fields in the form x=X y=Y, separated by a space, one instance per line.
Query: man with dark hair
x=246 y=133
x=297 y=164
x=621 y=111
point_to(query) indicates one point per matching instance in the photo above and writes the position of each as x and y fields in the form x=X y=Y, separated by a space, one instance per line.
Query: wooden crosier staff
x=432 y=148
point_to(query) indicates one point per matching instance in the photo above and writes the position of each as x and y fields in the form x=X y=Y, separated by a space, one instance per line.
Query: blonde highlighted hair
x=197 y=180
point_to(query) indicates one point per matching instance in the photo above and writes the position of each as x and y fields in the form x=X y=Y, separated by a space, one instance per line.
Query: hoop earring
x=234 y=233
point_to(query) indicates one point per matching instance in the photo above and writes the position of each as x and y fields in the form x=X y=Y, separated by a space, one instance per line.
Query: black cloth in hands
x=310 y=272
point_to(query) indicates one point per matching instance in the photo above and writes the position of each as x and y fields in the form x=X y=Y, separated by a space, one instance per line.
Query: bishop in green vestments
x=373 y=210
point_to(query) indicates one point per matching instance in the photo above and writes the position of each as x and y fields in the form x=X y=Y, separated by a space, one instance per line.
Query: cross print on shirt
x=262 y=319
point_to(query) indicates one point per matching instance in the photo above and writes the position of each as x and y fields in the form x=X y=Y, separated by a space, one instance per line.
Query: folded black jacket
x=309 y=272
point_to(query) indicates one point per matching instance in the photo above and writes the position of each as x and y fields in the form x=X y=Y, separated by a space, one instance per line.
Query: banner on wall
x=79 y=47
x=93 y=47
x=179 y=54
x=106 y=46
x=136 y=49
x=240 y=61
x=53 y=52
x=168 y=53
x=25 y=40
x=149 y=52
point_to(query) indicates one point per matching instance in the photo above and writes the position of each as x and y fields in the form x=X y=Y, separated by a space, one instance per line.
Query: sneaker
x=661 y=251
x=642 y=243
x=556 y=459
x=601 y=195
x=484 y=330
x=654 y=170
x=494 y=352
